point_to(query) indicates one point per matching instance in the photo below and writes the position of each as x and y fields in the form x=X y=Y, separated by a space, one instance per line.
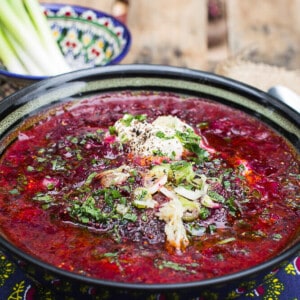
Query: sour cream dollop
x=156 y=138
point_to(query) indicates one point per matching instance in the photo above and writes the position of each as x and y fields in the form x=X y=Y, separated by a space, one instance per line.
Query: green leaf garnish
x=190 y=140
x=128 y=118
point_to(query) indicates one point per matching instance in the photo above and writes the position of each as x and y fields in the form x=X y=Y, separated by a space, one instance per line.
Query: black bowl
x=80 y=84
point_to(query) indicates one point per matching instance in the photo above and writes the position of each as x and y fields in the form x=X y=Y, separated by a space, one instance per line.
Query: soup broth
x=149 y=188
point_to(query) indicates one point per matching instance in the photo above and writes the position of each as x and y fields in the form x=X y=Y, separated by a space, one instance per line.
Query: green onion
x=14 y=192
x=27 y=44
x=9 y=56
x=277 y=237
x=226 y=241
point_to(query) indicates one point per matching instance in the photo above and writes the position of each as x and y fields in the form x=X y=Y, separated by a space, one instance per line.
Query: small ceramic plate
x=86 y=37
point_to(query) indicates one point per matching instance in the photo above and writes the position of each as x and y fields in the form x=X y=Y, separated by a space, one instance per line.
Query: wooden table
x=259 y=36
x=175 y=32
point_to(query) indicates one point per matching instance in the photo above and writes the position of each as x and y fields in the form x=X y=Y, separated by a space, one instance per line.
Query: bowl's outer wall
x=80 y=84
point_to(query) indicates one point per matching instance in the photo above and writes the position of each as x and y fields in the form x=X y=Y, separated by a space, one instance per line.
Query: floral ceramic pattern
x=281 y=284
x=87 y=38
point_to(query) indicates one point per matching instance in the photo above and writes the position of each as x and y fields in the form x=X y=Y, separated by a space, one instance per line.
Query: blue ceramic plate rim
x=79 y=9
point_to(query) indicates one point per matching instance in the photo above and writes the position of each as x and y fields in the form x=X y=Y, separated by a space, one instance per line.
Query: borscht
x=144 y=187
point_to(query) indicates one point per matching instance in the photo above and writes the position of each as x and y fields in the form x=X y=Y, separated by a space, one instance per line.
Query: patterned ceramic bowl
x=148 y=80
x=87 y=38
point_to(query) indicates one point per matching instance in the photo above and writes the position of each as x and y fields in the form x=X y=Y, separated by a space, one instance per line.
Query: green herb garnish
x=43 y=198
x=87 y=211
x=14 y=192
x=162 y=264
x=130 y=217
x=128 y=118
x=190 y=140
x=216 y=196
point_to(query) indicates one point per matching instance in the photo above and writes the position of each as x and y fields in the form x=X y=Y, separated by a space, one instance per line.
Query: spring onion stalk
x=42 y=28
x=27 y=38
x=24 y=36
x=8 y=55
x=19 y=9
x=30 y=65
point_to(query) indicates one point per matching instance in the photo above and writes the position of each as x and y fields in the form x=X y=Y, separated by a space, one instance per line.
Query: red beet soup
x=149 y=188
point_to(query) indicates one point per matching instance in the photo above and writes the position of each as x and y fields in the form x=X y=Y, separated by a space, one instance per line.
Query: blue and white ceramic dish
x=86 y=37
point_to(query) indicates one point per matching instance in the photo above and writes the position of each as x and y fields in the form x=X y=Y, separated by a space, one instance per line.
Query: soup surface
x=150 y=188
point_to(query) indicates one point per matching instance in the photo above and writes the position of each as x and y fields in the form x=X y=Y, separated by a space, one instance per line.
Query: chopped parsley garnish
x=46 y=198
x=212 y=228
x=276 y=237
x=14 y=192
x=216 y=196
x=158 y=153
x=87 y=211
x=130 y=217
x=58 y=164
x=162 y=264
x=110 y=195
x=190 y=140
x=162 y=135
x=231 y=206
x=112 y=130
x=128 y=118
x=204 y=213
x=30 y=168
x=90 y=178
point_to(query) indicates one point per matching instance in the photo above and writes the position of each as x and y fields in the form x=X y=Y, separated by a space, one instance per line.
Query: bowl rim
x=144 y=70
x=156 y=70
x=206 y=283
x=80 y=9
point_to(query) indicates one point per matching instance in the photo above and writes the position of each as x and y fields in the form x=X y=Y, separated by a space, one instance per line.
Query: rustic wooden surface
x=169 y=32
x=260 y=75
x=261 y=46
x=268 y=31
x=175 y=32
x=266 y=34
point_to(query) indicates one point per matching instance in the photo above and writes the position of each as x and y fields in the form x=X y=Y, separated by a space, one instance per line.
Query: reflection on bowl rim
x=79 y=9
